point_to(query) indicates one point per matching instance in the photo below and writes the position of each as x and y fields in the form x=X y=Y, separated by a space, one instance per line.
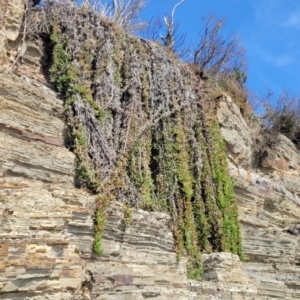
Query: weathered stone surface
x=33 y=55
x=11 y=16
x=46 y=224
x=224 y=291
x=223 y=267
x=139 y=262
x=29 y=146
x=269 y=210
x=235 y=132
x=224 y=279
x=12 y=12
x=3 y=46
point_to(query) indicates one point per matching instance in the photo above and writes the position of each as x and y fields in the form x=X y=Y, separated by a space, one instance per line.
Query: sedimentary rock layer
x=46 y=224
x=269 y=206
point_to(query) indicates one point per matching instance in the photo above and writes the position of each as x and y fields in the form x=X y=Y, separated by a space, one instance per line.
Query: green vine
x=177 y=165
x=127 y=214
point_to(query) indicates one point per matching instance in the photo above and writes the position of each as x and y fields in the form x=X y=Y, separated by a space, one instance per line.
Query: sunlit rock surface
x=46 y=223
x=269 y=208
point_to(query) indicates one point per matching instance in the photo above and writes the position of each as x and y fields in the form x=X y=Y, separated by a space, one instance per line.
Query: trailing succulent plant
x=143 y=132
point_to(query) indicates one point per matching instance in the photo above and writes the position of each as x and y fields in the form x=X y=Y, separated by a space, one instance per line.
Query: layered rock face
x=139 y=262
x=46 y=227
x=46 y=223
x=11 y=15
x=268 y=201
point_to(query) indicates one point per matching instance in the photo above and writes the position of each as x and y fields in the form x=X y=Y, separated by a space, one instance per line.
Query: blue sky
x=269 y=30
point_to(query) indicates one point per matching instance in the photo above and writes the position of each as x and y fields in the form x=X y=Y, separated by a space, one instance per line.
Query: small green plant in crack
x=98 y=243
x=99 y=226
x=62 y=72
x=84 y=168
x=127 y=214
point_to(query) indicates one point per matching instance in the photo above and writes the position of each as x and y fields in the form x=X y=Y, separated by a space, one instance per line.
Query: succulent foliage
x=143 y=133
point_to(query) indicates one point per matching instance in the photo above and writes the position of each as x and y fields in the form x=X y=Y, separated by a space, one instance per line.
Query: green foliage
x=84 y=168
x=61 y=73
x=146 y=147
x=99 y=224
x=240 y=76
x=194 y=267
x=231 y=239
x=98 y=244
x=127 y=214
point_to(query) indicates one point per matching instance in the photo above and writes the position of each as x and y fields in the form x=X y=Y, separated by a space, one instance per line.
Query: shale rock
x=269 y=208
x=46 y=223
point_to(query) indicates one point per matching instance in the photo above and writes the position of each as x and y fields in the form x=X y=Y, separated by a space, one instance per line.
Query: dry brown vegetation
x=280 y=115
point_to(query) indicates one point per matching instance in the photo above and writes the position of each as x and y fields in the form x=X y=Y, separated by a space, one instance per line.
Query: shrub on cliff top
x=123 y=13
x=283 y=116
x=280 y=115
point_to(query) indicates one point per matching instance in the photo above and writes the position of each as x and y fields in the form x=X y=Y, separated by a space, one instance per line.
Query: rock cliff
x=47 y=224
x=268 y=201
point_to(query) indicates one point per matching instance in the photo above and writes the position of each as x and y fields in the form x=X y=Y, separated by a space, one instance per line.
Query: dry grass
x=228 y=83
x=282 y=115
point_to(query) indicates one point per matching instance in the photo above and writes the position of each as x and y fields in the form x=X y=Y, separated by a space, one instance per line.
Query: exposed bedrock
x=268 y=201
x=46 y=223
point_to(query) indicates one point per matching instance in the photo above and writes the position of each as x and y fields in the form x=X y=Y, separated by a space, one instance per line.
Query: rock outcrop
x=11 y=15
x=46 y=223
x=139 y=262
x=269 y=206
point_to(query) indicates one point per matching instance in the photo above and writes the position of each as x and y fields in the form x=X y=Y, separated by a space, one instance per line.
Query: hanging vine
x=140 y=134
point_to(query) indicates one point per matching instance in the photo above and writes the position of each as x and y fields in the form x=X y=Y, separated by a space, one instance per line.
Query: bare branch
x=125 y=13
x=169 y=39
x=215 y=53
x=174 y=8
